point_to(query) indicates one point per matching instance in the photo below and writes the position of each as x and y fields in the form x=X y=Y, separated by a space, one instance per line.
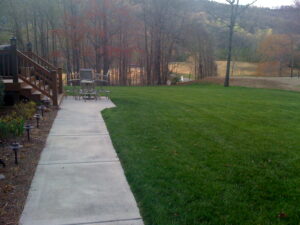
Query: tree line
x=134 y=40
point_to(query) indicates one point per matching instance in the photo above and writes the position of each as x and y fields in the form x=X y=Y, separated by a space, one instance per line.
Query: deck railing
x=5 y=65
x=32 y=70
x=41 y=61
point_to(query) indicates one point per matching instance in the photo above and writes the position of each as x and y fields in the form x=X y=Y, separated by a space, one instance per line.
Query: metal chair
x=87 y=84
x=88 y=90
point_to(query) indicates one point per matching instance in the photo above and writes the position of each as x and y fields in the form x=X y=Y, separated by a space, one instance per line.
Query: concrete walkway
x=79 y=179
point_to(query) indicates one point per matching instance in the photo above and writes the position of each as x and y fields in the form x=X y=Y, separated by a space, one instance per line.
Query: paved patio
x=79 y=179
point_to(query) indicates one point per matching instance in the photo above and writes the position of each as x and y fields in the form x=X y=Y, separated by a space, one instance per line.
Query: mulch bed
x=14 y=188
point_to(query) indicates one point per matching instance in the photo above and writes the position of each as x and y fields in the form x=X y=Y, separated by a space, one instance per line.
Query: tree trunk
x=106 y=61
x=231 y=31
x=292 y=57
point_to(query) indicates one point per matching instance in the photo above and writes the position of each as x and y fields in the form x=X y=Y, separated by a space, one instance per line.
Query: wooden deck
x=24 y=88
x=29 y=75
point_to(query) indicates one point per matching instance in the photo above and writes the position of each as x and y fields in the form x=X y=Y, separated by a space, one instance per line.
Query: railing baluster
x=54 y=87
x=3 y=65
x=23 y=67
x=8 y=66
x=38 y=75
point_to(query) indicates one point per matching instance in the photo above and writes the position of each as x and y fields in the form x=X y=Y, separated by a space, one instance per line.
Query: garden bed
x=14 y=188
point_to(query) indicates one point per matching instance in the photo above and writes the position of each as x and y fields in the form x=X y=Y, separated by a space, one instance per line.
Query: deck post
x=60 y=79
x=14 y=59
x=29 y=49
x=54 y=88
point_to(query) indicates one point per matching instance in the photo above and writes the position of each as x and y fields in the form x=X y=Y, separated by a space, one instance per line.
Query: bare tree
x=163 y=21
x=200 y=46
x=134 y=40
x=235 y=10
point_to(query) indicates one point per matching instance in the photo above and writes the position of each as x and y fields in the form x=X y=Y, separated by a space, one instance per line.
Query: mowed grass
x=204 y=154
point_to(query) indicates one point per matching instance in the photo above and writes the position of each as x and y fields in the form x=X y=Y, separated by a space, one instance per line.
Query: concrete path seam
x=107 y=221
x=72 y=163
x=79 y=135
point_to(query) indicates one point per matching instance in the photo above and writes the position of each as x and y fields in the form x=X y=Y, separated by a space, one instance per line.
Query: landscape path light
x=37 y=117
x=42 y=109
x=28 y=127
x=46 y=102
x=16 y=147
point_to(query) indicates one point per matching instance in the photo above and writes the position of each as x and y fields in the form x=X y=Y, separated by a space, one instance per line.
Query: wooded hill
x=254 y=24
x=136 y=40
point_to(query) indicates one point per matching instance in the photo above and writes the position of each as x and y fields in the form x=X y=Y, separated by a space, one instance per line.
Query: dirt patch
x=238 y=68
x=14 y=188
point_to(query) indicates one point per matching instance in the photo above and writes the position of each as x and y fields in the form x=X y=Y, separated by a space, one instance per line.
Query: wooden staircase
x=30 y=76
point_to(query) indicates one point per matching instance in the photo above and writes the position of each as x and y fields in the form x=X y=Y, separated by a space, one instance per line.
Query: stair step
x=36 y=92
x=27 y=87
x=45 y=98
x=11 y=81
x=36 y=84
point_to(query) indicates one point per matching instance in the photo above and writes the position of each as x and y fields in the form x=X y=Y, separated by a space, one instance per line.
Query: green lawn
x=203 y=154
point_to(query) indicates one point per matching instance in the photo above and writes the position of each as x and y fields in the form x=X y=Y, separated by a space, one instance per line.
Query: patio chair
x=87 y=85
x=105 y=83
x=105 y=92
x=73 y=91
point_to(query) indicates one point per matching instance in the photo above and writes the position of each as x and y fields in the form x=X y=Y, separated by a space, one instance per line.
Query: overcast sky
x=266 y=3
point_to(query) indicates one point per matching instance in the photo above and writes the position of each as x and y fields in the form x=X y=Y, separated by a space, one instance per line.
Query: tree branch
x=231 y=2
x=247 y=6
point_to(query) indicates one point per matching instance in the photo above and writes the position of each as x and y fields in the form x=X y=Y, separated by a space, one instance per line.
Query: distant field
x=239 y=69
x=182 y=67
x=282 y=83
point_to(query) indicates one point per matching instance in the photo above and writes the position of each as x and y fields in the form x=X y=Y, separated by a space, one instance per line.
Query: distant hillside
x=253 y=24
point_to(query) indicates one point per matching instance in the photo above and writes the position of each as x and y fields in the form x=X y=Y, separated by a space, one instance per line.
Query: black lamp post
x=37 y=117
x=13 y=41
x=14 y=61
x=16 y=147
x=28 y=127
x=46 y=102
x=1 y=161
x=42 y=108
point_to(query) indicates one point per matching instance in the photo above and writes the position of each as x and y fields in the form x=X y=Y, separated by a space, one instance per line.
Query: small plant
x=11 y=126
x=175 y=80
x=25 y=110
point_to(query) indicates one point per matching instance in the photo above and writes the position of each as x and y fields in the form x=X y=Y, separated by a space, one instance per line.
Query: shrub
x=175 y=80
x=25 y=110
x=11 y=126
